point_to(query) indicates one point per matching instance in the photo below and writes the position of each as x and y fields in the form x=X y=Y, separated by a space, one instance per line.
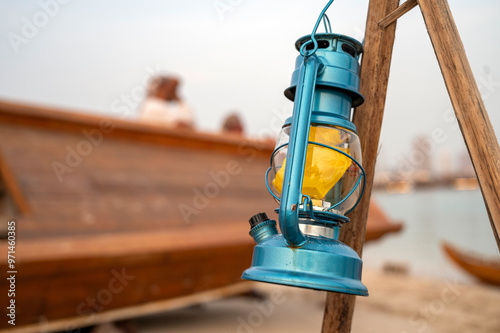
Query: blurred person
x=163 y=105
x=233 y=125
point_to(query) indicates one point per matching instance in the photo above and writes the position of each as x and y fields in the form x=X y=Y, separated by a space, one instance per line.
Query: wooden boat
x=485 y=270
x=379 y=223
x=118 y=218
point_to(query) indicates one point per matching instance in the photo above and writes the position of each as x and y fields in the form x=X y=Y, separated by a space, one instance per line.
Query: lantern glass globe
x=331 y=178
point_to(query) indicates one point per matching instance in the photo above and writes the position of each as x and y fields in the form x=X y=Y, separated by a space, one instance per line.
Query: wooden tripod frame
x=466 y=100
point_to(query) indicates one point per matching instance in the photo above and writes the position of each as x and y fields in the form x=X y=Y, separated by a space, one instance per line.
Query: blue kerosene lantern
x=315 y=174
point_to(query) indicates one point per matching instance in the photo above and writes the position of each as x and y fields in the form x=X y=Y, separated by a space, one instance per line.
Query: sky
x=232 y=55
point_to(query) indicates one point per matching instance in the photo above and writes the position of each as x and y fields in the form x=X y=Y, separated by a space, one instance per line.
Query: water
x=431 y=217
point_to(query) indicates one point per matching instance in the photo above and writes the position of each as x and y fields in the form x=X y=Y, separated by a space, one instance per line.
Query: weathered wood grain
x=397 y=13
x=368 y=120
x=465 y=96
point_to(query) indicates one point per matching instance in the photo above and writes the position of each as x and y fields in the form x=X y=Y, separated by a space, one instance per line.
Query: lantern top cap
x=329 y=41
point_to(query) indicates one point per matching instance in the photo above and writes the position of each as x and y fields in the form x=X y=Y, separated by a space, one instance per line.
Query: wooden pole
x=375 y=68
x=397 y=13
x=469 y=108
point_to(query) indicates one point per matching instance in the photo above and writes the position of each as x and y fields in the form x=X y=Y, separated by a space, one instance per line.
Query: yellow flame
x=324 y=167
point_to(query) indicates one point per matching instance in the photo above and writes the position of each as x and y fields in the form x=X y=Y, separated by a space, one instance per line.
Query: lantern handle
x=326 y=22
x=291 y=194
x=308 y=53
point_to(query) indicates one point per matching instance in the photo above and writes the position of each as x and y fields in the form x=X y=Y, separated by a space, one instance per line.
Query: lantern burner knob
x=262 y=227
x=258 y=219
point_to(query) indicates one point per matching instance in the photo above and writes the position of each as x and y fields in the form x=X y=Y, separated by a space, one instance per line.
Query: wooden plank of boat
x=65 y=277
x=104 y=201
x=134 y=311
x=138 y=214
x=485 y=270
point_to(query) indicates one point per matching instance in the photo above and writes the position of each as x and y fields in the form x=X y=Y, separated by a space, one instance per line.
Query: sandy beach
x=397 y=304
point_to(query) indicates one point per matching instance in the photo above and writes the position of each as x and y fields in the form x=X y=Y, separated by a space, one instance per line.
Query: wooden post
x=368 y=119
x=469 y=108
x=397 y=13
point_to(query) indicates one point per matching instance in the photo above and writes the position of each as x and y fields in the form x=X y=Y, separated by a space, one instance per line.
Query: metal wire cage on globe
x=333 y=176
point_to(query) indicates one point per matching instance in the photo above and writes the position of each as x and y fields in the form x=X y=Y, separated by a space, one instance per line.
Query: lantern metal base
x=321 y=264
